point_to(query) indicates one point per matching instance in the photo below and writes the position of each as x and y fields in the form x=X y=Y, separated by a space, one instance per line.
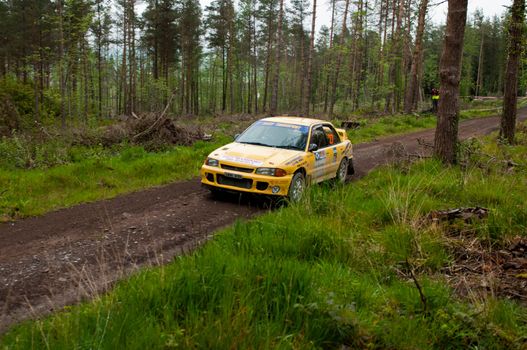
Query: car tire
x=297 y=188
x=351 y=168
x=342 y=171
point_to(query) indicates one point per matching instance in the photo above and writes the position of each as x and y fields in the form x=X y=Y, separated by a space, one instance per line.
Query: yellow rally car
x=280 y=156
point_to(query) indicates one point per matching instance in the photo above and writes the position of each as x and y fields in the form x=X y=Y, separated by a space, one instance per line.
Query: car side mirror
x=312 y=147
x=236 y=137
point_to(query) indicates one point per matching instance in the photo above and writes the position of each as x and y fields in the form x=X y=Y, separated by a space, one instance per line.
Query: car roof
x=295 y=120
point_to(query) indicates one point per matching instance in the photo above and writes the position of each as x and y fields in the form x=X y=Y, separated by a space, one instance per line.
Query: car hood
x=254 y=156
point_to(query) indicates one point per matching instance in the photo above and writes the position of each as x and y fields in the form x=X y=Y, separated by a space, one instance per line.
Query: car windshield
x=274 y=134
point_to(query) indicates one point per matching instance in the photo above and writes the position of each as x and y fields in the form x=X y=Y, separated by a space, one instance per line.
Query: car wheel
x=342 y=171
x=297 y=187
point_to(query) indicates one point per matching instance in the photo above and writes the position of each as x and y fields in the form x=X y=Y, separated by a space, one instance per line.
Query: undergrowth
x=92 y=174
x=343 y=267
x=373 y=128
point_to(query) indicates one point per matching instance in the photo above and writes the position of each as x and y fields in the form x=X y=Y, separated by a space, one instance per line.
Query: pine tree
x=516 y=38
x=101 y=29
x=446 y=135
x=278 y=52
x=220 y=23
x=189 y=26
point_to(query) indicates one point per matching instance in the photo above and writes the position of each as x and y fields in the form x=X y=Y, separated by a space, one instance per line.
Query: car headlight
x=271 y=172
x=212 y=162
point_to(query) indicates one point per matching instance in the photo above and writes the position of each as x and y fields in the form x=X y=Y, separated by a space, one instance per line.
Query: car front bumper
x=245 y=182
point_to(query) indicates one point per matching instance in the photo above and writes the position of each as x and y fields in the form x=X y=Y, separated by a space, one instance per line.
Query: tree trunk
x=124 y=82
x=267 y=64
x=274 y=95
x=326 y=86
x=230 y=63
x=480 y=64
x=412 y=90
x=358 y=57
x=382 y=56
x=223 y=82
x=339 y=61
x=36 y=93
x=132 y=63
x=85 y=73
x=446 y=135
x=61 y=67
x=255 y=61
x=307 y=94
x=508 y=120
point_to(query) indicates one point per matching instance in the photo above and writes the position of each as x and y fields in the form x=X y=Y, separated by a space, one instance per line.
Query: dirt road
x=65 y=256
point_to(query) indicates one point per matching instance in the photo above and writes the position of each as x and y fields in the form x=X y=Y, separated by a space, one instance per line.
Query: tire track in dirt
x=73 y=254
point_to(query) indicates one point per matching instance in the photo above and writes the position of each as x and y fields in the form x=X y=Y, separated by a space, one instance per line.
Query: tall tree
x=480 y=23
x=60 y=10
x=247 y=51
x=161 y=36
x=446 y=135
x=412 y=90
x=339 y=60
x=516 y=30
x=329 y=71
x=357 y=53
x=298 y=41
x=278 y=50
x=101 y=28
x=220 y=22
x=4 y=38
x=309 y=78
x=190 y=29
x=267 y=14
x=395 y=58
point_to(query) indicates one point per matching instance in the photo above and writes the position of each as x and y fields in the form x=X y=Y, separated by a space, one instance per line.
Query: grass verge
x=340 y=268
x=37 y=191
x=372 y=129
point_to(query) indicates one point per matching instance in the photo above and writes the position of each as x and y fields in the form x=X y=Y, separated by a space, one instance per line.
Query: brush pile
x=465 y=214
x=480 y=269
x=152 y=130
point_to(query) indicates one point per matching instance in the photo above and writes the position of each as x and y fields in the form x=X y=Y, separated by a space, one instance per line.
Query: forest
x=74 y=62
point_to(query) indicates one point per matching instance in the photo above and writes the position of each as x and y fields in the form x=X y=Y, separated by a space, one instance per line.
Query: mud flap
x=351 y=168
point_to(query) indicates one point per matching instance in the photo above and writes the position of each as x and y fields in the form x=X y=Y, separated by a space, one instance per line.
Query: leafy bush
x=17 y=101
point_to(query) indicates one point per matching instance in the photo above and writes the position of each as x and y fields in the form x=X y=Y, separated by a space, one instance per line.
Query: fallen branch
x=466 y=214
x=419 y=289
x=151 y=127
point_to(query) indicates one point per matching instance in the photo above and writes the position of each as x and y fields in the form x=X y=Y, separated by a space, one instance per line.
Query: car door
x=322 y=155
x=335 y=150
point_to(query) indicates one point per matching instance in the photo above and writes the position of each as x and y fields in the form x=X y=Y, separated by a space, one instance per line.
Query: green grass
x=37 y=191
x=374 y=128
x=326 y=272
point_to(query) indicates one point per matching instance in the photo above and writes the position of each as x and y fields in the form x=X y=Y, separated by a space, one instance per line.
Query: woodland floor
x=69 y=255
